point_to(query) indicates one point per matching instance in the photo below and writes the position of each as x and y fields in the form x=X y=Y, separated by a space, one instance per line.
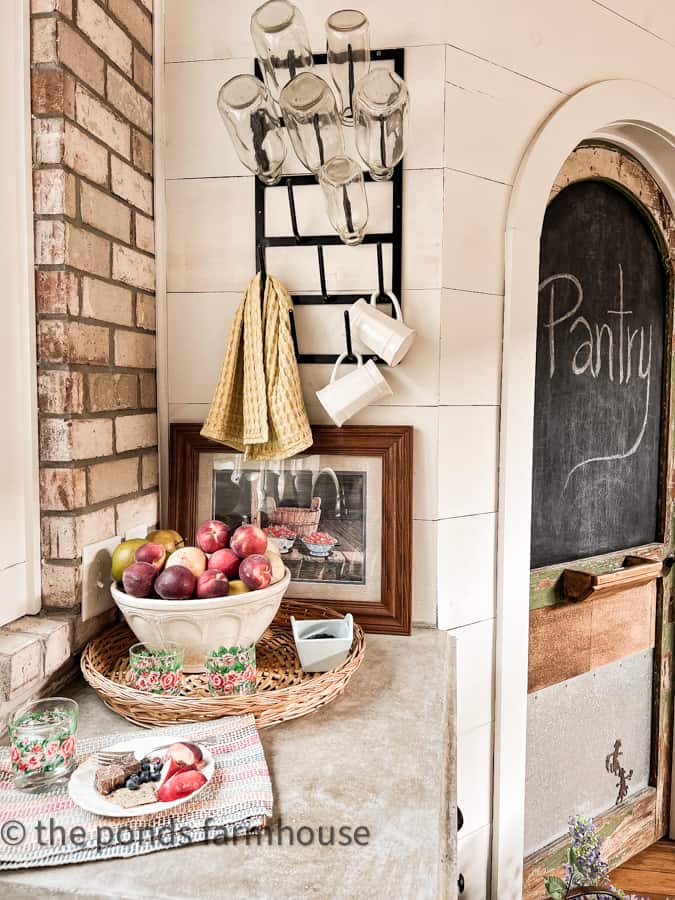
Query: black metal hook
x=260 y=250
x=291 y=206
x=348 y=337
x=322 y=272
x=380 y=273
x=294 y=334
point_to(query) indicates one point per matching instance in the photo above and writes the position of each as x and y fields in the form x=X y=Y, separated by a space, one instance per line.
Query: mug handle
x=394 y=302
x=338 y=363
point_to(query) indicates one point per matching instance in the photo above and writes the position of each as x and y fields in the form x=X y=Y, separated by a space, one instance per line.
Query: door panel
x=600 y=641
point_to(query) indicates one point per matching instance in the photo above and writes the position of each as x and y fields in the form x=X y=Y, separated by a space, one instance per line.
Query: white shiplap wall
x=483 y=77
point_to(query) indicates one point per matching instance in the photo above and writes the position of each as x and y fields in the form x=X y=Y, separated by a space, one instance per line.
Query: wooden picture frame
x=391 y=445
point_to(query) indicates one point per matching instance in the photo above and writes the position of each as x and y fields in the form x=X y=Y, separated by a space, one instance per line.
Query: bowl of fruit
x=282 y=536
x=223 y=592
x=319 y=543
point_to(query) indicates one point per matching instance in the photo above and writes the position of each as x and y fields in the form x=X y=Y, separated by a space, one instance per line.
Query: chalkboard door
x=600 y=639
x=599 y=377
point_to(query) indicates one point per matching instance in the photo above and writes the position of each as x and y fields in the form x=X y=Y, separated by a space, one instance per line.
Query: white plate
x=82 y=787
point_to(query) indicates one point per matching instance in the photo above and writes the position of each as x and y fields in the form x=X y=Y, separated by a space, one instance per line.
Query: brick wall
x=91 y=79
x=94 y=245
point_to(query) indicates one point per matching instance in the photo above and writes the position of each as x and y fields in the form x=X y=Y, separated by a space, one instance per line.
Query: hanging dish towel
x=258 y=406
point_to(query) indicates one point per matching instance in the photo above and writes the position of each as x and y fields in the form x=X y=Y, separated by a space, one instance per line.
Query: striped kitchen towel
x=48 y=829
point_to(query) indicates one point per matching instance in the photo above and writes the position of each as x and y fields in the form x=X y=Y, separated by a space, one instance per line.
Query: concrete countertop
x=382 y=757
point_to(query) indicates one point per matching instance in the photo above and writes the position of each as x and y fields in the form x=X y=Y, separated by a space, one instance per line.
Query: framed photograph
x=340 y=513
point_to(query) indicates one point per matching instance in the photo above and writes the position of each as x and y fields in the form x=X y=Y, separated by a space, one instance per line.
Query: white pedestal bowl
x=202 y=625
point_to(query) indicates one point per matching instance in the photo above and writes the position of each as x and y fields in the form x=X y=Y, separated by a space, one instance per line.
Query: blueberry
x=144 y=777
x=145 y=765
x=133 y=783
x=156 y=775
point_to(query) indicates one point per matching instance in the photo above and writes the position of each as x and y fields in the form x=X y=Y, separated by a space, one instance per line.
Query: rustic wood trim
x=594 y=634
x=393 y=444
x=635 y=570
x=625 y=831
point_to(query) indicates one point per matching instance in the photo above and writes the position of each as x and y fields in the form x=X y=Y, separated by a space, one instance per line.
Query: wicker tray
x=283 y=692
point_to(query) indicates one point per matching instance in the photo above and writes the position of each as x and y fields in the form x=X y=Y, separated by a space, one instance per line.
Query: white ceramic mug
x=344 y=397
x=390 y=338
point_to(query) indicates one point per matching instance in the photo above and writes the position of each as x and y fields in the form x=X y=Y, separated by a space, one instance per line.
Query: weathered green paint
x=544 y=583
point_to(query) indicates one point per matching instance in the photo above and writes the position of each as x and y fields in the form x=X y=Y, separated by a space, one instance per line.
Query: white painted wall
x=484 y=76
x=19 y=522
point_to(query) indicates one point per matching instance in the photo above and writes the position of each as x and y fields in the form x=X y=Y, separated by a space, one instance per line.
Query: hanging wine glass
x=311 y=117
x=253 y=126
x=381 y=105
x=282 y=45
x=348 y=51
x=345 y=196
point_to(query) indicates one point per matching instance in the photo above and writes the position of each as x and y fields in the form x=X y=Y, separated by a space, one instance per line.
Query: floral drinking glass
x=156 y=669
x=43 y=742
x=231 y=671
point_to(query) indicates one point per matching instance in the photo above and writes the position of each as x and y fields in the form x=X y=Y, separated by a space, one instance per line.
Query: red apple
x=256 y=572
x=213 y=535
x=225 y=561
x=155 y=554
x=182 y=784
x=212 y=583
x=138 y=579
x=175 y=583
x=248 y=540
x=169 y=768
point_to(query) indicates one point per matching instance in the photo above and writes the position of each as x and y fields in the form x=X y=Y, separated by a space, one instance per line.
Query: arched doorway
x=640 y=119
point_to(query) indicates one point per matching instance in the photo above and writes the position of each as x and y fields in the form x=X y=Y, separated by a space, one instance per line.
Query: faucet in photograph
x=340 y=501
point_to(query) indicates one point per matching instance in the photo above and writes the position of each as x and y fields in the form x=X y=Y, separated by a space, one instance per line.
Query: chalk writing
x=605 y=348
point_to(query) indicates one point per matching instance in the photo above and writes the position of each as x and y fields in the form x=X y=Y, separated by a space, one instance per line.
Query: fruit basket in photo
x=283 y=690
x=300 y=519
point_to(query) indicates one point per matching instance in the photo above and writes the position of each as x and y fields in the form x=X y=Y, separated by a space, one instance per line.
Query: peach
x=182 y=784
x=225 y=561
x=191 y=557
x=248 y=540
x=139 y=578
x=256 y=571
x=185 y=753
x=155 y=554
x=213 y=535
x=174 y=583
x=212 y=583
x=278 y=567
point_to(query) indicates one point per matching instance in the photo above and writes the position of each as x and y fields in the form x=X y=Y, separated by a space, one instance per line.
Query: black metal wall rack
x=296 y=239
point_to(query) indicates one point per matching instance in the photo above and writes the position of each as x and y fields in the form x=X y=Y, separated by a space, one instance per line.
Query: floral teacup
x=43 y=742
x=156 y=669
x=231 y=671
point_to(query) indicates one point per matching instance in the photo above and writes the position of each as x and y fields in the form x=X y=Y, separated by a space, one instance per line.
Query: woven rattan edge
x=269 y=707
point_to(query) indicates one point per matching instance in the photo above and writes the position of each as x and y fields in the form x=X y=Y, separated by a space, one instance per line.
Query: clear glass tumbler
x=281 y=42
x=348 y=50
x=345 y=196
x=381 y=105
x=247 y=112
x=312 y=120
x=156 y=669
x=42 y=739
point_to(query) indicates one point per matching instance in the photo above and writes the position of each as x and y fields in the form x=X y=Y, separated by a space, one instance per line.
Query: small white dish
x=82 y=788
x=319 y=654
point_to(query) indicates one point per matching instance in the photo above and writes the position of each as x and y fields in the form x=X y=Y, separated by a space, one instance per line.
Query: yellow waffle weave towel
x=258 y=406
